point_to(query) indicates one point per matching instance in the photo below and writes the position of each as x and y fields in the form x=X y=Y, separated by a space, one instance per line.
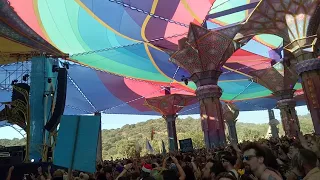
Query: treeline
x=122 y=142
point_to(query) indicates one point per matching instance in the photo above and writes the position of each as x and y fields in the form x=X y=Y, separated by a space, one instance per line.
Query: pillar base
x=289 y=117
x=172 y=132
x=211 y=115
x=309 y=71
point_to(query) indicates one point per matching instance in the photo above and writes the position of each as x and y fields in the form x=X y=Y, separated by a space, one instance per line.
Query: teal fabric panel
x=84 y=140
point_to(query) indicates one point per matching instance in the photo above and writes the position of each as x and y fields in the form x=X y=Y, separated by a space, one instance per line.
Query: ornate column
x=289 y=118
x=273 y=122
x=168 y=106
x=230 y=114
x=309 y=71
x=298 y=24
x=281 y=82
x=202 y=54
x=172 y=132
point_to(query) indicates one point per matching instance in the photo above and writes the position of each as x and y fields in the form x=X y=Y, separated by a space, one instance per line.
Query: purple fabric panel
x=138 y=17
x=157 y=27
x=119 y=89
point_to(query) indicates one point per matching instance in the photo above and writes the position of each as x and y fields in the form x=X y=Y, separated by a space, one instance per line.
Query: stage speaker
x=61 y=91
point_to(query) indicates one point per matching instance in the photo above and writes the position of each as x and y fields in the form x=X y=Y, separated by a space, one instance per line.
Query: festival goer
x=228 y=163
x=308 y=164
x=255 y=156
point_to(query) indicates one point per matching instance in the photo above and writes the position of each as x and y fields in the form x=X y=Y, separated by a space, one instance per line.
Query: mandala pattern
x=289 y=19
x=274 y=80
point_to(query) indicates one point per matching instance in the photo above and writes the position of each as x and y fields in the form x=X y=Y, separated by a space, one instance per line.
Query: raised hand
x=11 y=168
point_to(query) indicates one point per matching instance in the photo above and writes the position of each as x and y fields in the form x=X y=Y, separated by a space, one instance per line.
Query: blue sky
x=117 y=121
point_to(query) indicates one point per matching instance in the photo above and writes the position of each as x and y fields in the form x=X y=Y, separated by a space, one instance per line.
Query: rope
x=125 y=103
x=242 y=91
x=174 y=75
x=127 y=45
x=148 y=13
x=83 y=95
x=79 y=109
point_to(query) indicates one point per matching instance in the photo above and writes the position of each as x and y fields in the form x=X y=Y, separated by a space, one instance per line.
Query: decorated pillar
x=281 y=80
x=168 y=106
x=172 y=132
x=298 y=24
x=309 y=72
x=273 y=122
x=289 y=118
x=41 y=69
x=230 y=114
x=202 y=54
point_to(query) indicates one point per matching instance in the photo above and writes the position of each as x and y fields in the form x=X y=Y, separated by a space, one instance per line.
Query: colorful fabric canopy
x=91 y=90
x=124 y=38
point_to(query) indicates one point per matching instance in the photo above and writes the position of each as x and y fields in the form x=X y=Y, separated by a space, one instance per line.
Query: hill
x=122 y=142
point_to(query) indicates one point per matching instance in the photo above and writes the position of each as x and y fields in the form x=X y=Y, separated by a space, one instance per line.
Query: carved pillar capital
x=208 y=91
x=284 y=94
x=206 y=77
x=286 y=103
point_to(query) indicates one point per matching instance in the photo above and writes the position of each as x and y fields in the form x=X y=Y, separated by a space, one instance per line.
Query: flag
x=164 y=151
x=152 y=133
x=149 y=147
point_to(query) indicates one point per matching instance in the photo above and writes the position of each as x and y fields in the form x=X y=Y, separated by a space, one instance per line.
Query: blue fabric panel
x=83 y=142
x=99 y=96
x=87 y=142
x=65 y=141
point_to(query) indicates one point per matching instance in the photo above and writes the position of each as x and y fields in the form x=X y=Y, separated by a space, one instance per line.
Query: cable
x=242 y=91
x=148 y=13
x=127 y=45
x=83 y=95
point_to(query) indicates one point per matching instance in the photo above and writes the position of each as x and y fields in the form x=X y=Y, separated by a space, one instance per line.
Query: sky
x=117 y=121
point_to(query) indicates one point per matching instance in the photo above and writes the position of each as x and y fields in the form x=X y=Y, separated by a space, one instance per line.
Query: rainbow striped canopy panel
x=116 y=50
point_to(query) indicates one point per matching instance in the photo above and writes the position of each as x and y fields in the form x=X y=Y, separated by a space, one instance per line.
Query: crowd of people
x=274 y=159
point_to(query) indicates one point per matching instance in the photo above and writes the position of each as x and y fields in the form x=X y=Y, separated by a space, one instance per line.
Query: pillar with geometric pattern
x=281 y=82
x=202 y=54
x=168 y=106
x=297 y=22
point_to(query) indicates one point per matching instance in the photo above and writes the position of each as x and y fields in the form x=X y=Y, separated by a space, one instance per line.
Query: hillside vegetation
x=122 y=142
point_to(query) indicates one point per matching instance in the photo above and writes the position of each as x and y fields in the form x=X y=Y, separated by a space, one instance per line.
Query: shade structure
x=170 y=104
x=135 y=54
x=18 y=41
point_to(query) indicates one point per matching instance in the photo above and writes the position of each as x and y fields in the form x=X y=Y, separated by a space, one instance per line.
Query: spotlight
x=66 y=65
x=14 y=82
x=185 y=80
x=55 y=68
x=25 y=77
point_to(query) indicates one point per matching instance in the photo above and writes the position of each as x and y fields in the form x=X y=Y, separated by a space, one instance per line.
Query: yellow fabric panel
x=8 y=48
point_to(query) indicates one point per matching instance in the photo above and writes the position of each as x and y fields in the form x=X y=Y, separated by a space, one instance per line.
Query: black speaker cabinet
x=61 y=91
